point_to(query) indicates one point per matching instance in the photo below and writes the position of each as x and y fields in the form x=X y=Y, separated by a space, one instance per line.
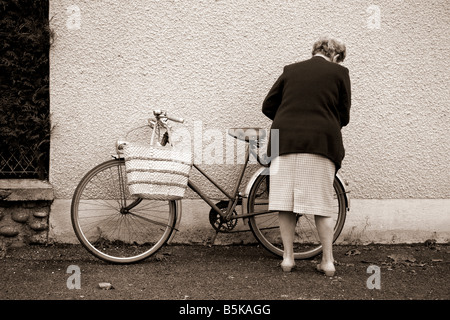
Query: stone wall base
x=24 y=212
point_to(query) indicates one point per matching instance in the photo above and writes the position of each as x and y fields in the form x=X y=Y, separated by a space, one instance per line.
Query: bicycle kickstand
x=213 y=239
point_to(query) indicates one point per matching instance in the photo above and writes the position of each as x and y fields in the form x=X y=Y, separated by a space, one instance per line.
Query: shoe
x=328 y=273
x=287 y=267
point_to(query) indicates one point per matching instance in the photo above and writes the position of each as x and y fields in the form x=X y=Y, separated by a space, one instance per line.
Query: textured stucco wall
x=213 y=62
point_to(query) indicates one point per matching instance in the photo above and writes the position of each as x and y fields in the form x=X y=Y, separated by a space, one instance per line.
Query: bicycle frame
x=235 y=198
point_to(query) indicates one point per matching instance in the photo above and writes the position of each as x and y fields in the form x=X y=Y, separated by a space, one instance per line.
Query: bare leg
x=287 y=230
x=324 y=227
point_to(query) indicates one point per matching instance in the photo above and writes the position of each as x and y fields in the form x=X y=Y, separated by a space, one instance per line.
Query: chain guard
x=217 y=222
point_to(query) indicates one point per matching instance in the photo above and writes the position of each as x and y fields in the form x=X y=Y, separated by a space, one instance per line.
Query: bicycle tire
x=266 y=230
x=114 y=226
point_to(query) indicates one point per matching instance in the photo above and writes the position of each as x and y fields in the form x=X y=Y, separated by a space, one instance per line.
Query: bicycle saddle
x=247 y=134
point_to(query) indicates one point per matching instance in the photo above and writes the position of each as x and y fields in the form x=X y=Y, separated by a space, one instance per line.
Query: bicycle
x=117 y=228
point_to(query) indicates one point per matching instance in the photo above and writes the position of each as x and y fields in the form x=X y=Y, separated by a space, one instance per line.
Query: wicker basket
x=156 y=172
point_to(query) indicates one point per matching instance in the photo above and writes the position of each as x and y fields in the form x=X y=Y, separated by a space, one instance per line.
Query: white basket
x=155 y=172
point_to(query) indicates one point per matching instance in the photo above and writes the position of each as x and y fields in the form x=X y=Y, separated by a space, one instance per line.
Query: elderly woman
x=309 y=104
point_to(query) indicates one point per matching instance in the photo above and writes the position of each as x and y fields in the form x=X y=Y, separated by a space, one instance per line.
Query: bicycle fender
x=262 y=170
x=346 y=196
x=179 y=211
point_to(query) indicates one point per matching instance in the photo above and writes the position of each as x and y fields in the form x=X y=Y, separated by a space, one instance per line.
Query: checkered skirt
x=302 y=183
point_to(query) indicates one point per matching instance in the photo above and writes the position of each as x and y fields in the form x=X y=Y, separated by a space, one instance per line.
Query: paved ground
x=226 y=273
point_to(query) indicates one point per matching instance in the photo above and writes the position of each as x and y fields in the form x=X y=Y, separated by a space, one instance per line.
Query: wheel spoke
x=149 y=220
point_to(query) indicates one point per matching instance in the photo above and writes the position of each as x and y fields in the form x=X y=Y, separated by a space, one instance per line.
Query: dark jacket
x=309 y=104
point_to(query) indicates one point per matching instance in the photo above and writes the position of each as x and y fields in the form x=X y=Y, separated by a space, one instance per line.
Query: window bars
x=21 y=164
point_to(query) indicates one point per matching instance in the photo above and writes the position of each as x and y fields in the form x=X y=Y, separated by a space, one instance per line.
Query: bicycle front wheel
x=113 y=225
x=266 y=229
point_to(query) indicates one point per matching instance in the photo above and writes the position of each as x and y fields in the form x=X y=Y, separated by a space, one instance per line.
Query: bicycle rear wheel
x=266 y=229
x=113 y=225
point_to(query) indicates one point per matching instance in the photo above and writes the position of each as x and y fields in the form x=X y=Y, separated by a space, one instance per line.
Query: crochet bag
x=157 y=172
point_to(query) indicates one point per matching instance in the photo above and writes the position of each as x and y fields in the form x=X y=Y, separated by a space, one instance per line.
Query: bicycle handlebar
x=163 y=114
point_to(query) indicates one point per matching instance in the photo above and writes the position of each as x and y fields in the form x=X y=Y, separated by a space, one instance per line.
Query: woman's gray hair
x=330 y=47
